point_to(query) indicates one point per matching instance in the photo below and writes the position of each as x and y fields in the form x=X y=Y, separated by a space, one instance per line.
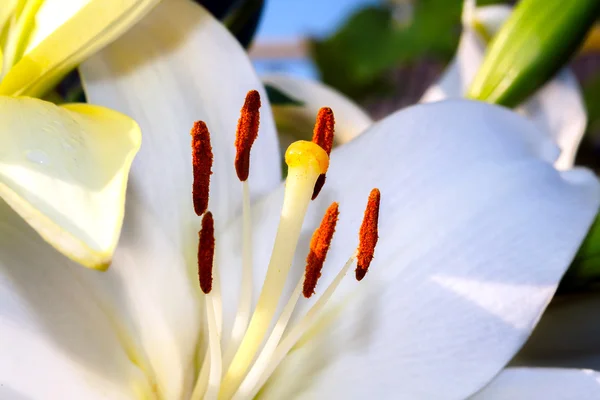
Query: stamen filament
x=245 y=303
x=202 y=381
x=214 y=342
x=270 y=346
x=296 y=333
x=306 y=161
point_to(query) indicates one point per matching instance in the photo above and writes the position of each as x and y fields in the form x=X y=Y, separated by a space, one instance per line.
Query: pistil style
x=306 y=161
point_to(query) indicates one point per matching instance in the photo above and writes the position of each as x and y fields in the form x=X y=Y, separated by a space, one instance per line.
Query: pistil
x=306 y=161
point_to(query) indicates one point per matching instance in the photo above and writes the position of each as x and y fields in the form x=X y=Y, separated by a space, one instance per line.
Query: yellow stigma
x=307 y=154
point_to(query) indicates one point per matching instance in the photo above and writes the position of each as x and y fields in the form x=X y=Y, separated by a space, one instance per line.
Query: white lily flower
x=558 y=107
x=477 y=228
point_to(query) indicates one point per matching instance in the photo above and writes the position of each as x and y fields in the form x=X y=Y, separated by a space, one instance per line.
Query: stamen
x=259 y=373
x=306 y=161
x=323 y=132
x=247 y=132
x=202 y=159
x=319 y=245
x=323 y=136
x=368 y=235
x=206 y=252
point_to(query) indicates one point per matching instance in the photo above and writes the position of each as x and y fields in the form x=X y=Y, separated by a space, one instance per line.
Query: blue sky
x=288 y=19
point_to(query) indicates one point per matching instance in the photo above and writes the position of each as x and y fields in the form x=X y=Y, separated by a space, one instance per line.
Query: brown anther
x=202 y=159
x=247 y=132
x=319 y=245
x=323 y=136
x=368 y=235
x=206 y=252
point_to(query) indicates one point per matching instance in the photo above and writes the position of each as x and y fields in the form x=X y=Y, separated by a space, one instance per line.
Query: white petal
x=62 y=35
x=567 y=335
x=55 y=341
x=151 y=291
x=350 y=119
x=557 y=107
x=476 y=230
x=542 y=384
x=64 y=170
x=177 y=66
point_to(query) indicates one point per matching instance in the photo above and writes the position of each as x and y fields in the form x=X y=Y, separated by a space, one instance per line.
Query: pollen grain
x=323 y=136
x=368 y=235
x=247 y=132
x=319 y=245
x=206 y=252
x=202 y=159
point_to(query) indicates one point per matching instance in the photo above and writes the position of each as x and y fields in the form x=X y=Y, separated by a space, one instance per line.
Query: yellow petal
x=64 y=170
x=65 y=33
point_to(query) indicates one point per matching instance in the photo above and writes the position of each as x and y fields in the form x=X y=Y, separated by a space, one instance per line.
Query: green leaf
x=279 y=98
x=537 y=40
x=357 y=58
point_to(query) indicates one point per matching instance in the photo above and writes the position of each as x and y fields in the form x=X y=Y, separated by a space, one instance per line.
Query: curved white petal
x=64 y=170
x=177 y=66
x=350 y=119
x=476 y=230
x=557 y=107
x=567 y=335
x=542 y=383
x=55 y=340
x=63 y=33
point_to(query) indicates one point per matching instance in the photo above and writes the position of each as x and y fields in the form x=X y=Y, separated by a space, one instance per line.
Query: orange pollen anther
x=368 y=235
x=202 y=159
x=247 y=132
x=323 y=132
x=323 y=136
x=206 y=252
x=319 y=245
